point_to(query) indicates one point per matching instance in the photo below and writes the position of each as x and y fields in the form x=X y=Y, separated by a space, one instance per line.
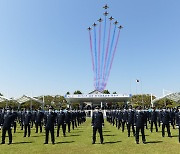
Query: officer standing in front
x=139 y=123
x=97 y=124
x=49 y=120
x=7 y=124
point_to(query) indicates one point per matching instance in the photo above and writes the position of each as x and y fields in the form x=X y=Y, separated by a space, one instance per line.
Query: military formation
x=134 y=120
x=26 y=119
x=137 y=120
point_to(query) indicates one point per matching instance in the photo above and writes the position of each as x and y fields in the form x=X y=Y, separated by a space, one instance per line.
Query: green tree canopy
x=78 y=92
x=68 y=93
x=106 y=92
x=141 y=100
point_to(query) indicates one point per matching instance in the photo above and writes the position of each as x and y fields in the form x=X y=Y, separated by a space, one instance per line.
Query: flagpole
x=142 y=94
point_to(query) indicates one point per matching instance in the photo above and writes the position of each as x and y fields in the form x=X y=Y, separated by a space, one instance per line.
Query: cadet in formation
x=97 y=124
x=7 y=120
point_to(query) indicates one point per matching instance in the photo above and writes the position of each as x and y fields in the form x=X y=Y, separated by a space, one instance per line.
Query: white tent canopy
x=2 y=99
x=172 y=96
x=25 y=98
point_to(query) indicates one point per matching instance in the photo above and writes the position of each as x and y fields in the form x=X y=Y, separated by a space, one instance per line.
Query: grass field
x=79 y=141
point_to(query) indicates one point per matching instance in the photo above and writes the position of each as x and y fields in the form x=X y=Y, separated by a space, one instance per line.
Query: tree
x=141 y=100
x=68 y=93
x=106 y=92
x=78 y=92
x=165 y=103
x=114 y=92
x=75 y=106
x=1 y=94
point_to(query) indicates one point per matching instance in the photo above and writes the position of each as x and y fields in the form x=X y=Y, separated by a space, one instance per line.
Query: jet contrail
x=92 y=56
x=107 y=49
x=103 y=46
x=99 y=53
x=110 y=52
x=95 y=53
x=114 y=51
x=104 y=39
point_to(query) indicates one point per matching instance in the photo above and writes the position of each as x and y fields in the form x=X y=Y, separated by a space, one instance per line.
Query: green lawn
x=79 y=141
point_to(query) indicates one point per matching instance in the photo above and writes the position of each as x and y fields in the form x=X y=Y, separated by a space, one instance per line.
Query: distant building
x=96 y=98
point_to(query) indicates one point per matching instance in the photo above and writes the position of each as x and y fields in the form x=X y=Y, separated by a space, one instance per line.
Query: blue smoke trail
x=102 y=59
x=115 y=48
x=95 y=50
x=110 y=53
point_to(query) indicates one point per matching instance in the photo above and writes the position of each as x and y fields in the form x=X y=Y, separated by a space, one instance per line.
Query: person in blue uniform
x=178 y=121
x=7 y=124
x=119 y=115
x=130 y=121
x=27 y=122
x=49 y=120
x=124 y=118
x=38 y=119
x=68 y=120
x=61 y=122
x=97 y=124
x=139 y=123
x=15 y=115
x=153 y=119
x=165 y=118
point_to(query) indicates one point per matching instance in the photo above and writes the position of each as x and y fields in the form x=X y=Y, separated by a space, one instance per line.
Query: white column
x=91 y=109
x=101 y=105
x=151 y=101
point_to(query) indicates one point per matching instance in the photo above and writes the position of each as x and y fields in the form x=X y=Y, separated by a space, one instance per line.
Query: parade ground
x=80 y=141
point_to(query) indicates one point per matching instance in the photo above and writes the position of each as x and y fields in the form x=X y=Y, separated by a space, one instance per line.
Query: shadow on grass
x=154 y=142
x=175 y=136
x=112 y=142
x=22 y=142
x=65 y=142
x=74 y=135
x=145 y=135
x=77 y=132
x=106 y=131
x=109 y=135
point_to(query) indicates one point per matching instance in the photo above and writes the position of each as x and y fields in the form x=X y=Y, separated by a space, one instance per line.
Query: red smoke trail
x=107 y=49
x=99 y=53
x=92 y=57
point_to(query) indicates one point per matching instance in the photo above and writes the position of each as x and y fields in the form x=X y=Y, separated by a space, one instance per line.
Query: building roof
x=2 y=99
x=25 y=98
x=172 y=96
x=97 y=98
x=95 y=92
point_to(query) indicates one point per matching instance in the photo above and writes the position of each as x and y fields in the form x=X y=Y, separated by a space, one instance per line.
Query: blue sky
x=44 y=46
